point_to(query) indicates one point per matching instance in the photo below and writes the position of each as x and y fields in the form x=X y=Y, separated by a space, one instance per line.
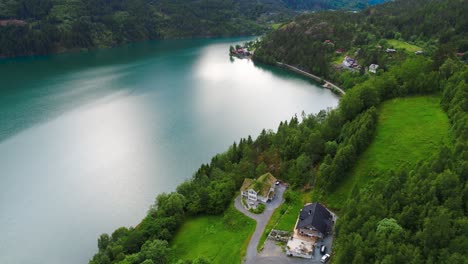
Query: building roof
x=246 y=184
x=261 y=185
x=315 y=215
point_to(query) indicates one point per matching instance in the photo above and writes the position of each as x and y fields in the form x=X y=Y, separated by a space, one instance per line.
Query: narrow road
x=310 y=75
x=261 y=219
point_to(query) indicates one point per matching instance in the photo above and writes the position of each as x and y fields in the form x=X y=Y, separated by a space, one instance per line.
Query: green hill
x=409 y=130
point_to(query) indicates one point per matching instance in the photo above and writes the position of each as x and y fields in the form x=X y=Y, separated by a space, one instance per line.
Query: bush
x=260 y=208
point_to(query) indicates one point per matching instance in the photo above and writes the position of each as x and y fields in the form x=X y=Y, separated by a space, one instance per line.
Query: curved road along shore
x=261 y=219
x=310 y=75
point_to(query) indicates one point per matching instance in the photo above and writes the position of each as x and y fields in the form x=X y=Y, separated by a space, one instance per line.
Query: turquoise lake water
x=87 y=140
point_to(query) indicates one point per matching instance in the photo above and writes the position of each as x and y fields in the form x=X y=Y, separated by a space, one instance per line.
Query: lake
x=87 y=140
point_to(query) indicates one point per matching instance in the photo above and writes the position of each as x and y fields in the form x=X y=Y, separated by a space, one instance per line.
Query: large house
x=261 y=189
x=314 y=221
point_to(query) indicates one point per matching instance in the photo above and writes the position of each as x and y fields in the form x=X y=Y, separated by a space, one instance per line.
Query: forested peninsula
x=29 y=27
x=410 y=210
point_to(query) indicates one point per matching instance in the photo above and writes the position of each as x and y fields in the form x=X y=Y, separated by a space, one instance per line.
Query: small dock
x=327 y=84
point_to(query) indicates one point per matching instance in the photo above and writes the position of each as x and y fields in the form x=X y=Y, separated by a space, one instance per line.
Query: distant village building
x=14 y=22
x=350 y=62
x=261 y=189
x=339 y=51
x=329 y=42
x=314 y=221
x=390 y=50
x=419 y=52
x=373 y=68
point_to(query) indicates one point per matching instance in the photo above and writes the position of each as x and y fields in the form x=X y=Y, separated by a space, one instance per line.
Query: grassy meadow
x=398 y=44
x=219 y=239
x=408 y=130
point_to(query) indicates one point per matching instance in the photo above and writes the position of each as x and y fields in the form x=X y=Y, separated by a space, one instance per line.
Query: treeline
x=324 y=4
x=311 y=41
x=44 y=26
x=416 y=215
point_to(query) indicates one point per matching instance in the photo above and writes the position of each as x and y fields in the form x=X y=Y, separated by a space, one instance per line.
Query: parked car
x=325 y=258
x=323 y=249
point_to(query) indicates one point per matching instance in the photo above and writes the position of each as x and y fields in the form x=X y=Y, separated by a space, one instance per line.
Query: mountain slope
x=302 y=41
x=44 y=26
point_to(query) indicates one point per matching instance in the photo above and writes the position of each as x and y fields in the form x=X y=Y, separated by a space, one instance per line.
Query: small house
x=262 y=189
x=419 y=52
x=350 y=62
x=390 y=50
x=240 y=51
x=373 y=68
x=314 y=221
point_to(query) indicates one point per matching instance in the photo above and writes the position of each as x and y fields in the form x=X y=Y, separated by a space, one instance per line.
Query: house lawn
x=284 y=217
x=219 y=239
x=398 y=44
x=409 y=129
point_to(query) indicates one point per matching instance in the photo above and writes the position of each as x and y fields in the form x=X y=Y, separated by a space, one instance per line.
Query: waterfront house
x=261 y=189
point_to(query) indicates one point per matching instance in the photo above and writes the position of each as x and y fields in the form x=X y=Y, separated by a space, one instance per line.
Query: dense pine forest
x=44 y=26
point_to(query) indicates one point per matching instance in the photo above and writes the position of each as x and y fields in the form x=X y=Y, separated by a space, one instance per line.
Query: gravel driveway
x=262 y=220
x=271 y=253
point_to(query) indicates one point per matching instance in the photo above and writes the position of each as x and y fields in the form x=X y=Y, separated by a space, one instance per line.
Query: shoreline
x=327 y=84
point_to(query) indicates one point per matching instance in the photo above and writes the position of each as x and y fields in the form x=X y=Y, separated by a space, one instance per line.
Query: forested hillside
x=313 y=41
x=44 y=26
x=410 y=214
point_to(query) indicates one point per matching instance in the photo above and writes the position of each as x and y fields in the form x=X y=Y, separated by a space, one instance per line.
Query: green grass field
x=219 y=239
x=409 y=129
x=285 y=216
x=276 y=25
x=398 y=44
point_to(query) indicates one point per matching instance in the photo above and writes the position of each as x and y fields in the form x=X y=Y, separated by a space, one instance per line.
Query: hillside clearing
x=398 y=44
x=215 y=238
x=409 y=129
